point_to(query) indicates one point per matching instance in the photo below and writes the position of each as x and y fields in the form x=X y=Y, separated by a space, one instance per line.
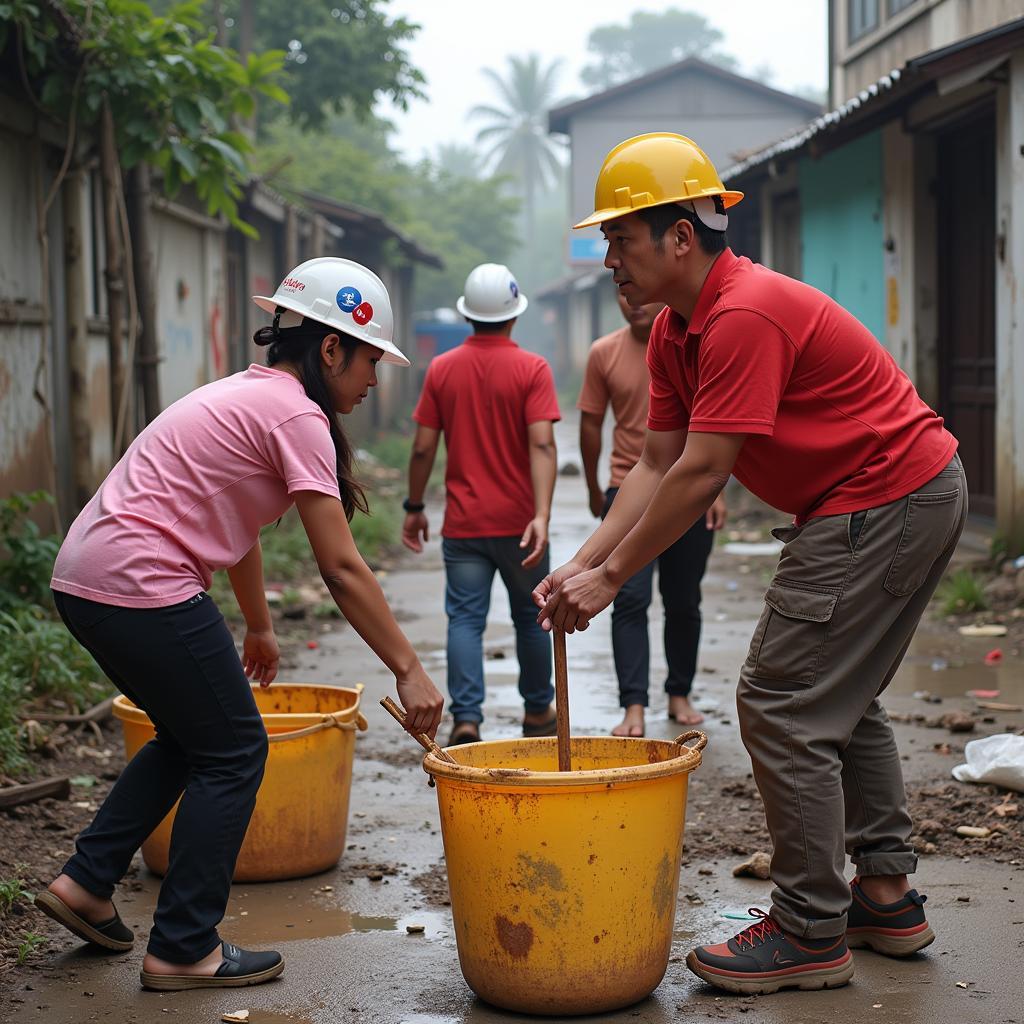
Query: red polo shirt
x=483 y=395
x=833 y=424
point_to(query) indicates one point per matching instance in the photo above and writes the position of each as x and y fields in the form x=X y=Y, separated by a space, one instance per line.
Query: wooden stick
x=423 y=739
x=98 y=713
x=562 y=702
x=13 y=796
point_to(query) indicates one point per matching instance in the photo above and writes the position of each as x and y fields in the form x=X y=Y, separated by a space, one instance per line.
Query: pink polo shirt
x=191 y=493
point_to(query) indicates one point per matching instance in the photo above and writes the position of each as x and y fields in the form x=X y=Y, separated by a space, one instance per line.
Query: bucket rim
x=127 y=711
x=684 y=763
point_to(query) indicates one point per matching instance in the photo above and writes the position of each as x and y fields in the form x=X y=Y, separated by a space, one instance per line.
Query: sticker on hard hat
x=348 y=299
x=514 y=289
x=363 y=313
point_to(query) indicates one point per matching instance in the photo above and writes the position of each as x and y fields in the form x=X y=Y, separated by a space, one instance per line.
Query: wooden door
x=966 y=265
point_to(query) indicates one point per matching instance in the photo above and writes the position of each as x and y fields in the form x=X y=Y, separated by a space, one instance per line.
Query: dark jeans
x=470 y=564
x=180 y=666
x=680 y=570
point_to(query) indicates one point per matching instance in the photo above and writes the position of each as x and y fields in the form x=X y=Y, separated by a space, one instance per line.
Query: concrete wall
x=841 y=228
x=724 y=118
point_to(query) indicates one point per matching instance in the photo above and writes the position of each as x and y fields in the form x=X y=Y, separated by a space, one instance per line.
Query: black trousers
x=178 y=664
x=680 y=570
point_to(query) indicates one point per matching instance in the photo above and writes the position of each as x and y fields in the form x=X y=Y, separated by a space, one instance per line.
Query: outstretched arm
x=359 y=597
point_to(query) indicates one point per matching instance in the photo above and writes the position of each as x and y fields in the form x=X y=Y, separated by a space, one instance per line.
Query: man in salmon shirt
x=759 y=376
x=496 y=406
x=616 y=375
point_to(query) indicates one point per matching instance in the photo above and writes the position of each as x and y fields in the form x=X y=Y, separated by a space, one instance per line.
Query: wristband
x=413 y=506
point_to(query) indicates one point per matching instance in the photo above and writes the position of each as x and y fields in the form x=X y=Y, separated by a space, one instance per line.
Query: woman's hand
x=572 y=605
x=260 y=655
x=421 y=700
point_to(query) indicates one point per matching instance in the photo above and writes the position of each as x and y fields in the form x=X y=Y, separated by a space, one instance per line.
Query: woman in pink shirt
x=189 y=497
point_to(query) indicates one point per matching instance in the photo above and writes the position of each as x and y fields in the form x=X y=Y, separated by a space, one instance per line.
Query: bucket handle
x=690 y=734
x=332 y=721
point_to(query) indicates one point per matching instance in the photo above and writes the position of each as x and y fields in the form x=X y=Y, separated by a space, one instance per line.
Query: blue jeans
x=680 y=570
x=470 y=564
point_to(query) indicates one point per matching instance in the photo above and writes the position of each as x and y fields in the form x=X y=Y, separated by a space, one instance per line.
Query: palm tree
x=520 y=145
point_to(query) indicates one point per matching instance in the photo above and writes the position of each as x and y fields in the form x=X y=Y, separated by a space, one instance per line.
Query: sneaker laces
x=761 y=931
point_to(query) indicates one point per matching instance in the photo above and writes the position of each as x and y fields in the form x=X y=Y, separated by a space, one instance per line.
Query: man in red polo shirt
x=763 y=377
x=496 y=406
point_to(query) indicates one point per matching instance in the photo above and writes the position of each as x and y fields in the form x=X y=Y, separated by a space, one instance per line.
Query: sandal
x=464 y=732
x=533 y=730
x=240 y=967
x=113 y=935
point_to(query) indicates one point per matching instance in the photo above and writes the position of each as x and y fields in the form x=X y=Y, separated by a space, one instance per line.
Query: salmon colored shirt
x=616 y=373
x=833 y=424
x=191 y=493
x=483 y=395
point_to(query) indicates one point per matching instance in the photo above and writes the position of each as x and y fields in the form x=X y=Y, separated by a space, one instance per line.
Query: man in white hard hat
x=496 y=406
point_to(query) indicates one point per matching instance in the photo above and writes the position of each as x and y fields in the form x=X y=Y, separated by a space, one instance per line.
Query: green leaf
x=274 y=92
x=212 y=114
x=186 y=158
x=230 y=154
x=187 y=116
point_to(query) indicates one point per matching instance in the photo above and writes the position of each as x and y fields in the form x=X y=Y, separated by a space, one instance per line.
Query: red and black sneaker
x=763 y=958
x=895 y=929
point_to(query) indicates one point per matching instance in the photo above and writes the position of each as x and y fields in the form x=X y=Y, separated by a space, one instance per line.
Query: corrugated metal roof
x=884 y=85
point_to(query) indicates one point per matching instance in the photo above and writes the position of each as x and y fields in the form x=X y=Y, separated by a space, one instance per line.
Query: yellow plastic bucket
x=563 y=885
x=298 y=826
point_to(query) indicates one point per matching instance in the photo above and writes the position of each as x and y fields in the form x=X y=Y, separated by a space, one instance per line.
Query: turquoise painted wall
x=841 y=228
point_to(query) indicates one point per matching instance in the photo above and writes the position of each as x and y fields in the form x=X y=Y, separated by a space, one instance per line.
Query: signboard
x=586 y=249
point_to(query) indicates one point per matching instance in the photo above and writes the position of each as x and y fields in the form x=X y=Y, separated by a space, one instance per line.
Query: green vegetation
x=38 y=656
x=30 y=942
x=962 y=591
x=12 y=890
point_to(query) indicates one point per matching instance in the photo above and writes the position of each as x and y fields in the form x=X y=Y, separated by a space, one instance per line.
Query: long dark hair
x=300 y=346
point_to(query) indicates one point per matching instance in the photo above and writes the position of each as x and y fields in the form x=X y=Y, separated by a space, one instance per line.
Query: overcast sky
x=459 y=37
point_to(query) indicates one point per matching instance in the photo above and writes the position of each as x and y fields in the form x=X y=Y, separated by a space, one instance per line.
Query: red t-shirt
x=483 y=395
x=833 y=424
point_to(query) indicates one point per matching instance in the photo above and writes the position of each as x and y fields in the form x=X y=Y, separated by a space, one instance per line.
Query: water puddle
x=954 y=678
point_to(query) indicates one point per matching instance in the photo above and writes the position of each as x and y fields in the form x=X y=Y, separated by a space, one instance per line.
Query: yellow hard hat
x=651 y=170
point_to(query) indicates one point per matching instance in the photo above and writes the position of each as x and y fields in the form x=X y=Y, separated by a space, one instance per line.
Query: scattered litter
x=312 y=645
x=415 y=929
x=963 y=899
x=1018 y=562
x=983 y=694
x=375 y=877
x=272 y=596
x=994 y=656
x=758 y=865
x=973 y=831
x=235 y=1016
x=327 y=888
x=705 y=871
x=927 y=696
x=739 y=547
x=736 y=915
x=987 y=629
x=943 y=748
x=963 y=984
x=958 y=721
x=1006 y=809
x=694 y=899
x=732 y=585
x=995 y=759
x=993 y=706
x=939 y=664
x=83 y=780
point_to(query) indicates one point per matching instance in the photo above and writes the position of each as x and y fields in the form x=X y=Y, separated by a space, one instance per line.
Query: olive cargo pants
x=839 y=616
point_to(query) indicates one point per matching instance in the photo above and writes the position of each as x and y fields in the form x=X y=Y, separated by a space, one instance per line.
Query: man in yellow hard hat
x=759 y=376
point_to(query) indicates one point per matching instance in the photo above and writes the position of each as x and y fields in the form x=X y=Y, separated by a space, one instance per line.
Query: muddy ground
x=344 y=932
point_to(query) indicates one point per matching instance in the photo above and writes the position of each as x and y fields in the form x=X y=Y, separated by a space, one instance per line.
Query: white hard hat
x=492 y=295
x=341 y=294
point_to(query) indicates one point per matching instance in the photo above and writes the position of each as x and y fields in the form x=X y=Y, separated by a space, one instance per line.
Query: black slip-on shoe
x=239 y=967
x=113 y=935
x=763 y=958
x=464 y=732
x=895 y=929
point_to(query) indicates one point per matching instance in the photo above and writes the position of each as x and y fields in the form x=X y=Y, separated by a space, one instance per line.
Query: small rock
x=958 y=721
x=375 y=877
x=569 y=469
x=963 y=899
x=705 y=871
x=415 y=929
x=758 y=865
x=973 y=831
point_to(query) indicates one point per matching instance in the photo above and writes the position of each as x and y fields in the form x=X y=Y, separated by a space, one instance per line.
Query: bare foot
x=206 y=967
x=88 y=907
x=632 y=724
x=683 y=711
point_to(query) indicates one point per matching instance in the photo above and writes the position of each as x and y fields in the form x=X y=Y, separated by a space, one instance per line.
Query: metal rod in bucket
x=562 y=702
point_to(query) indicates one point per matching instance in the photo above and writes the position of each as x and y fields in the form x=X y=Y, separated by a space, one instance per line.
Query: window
x=864 y=17
x=895 y=6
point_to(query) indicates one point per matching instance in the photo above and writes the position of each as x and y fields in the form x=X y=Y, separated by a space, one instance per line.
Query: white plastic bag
x=995 y=759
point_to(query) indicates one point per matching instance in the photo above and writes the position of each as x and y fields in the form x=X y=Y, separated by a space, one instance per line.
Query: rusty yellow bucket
x=298 y=826
x=563 y=884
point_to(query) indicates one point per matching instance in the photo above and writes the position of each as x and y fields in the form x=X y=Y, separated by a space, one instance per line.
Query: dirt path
x=344 y=932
